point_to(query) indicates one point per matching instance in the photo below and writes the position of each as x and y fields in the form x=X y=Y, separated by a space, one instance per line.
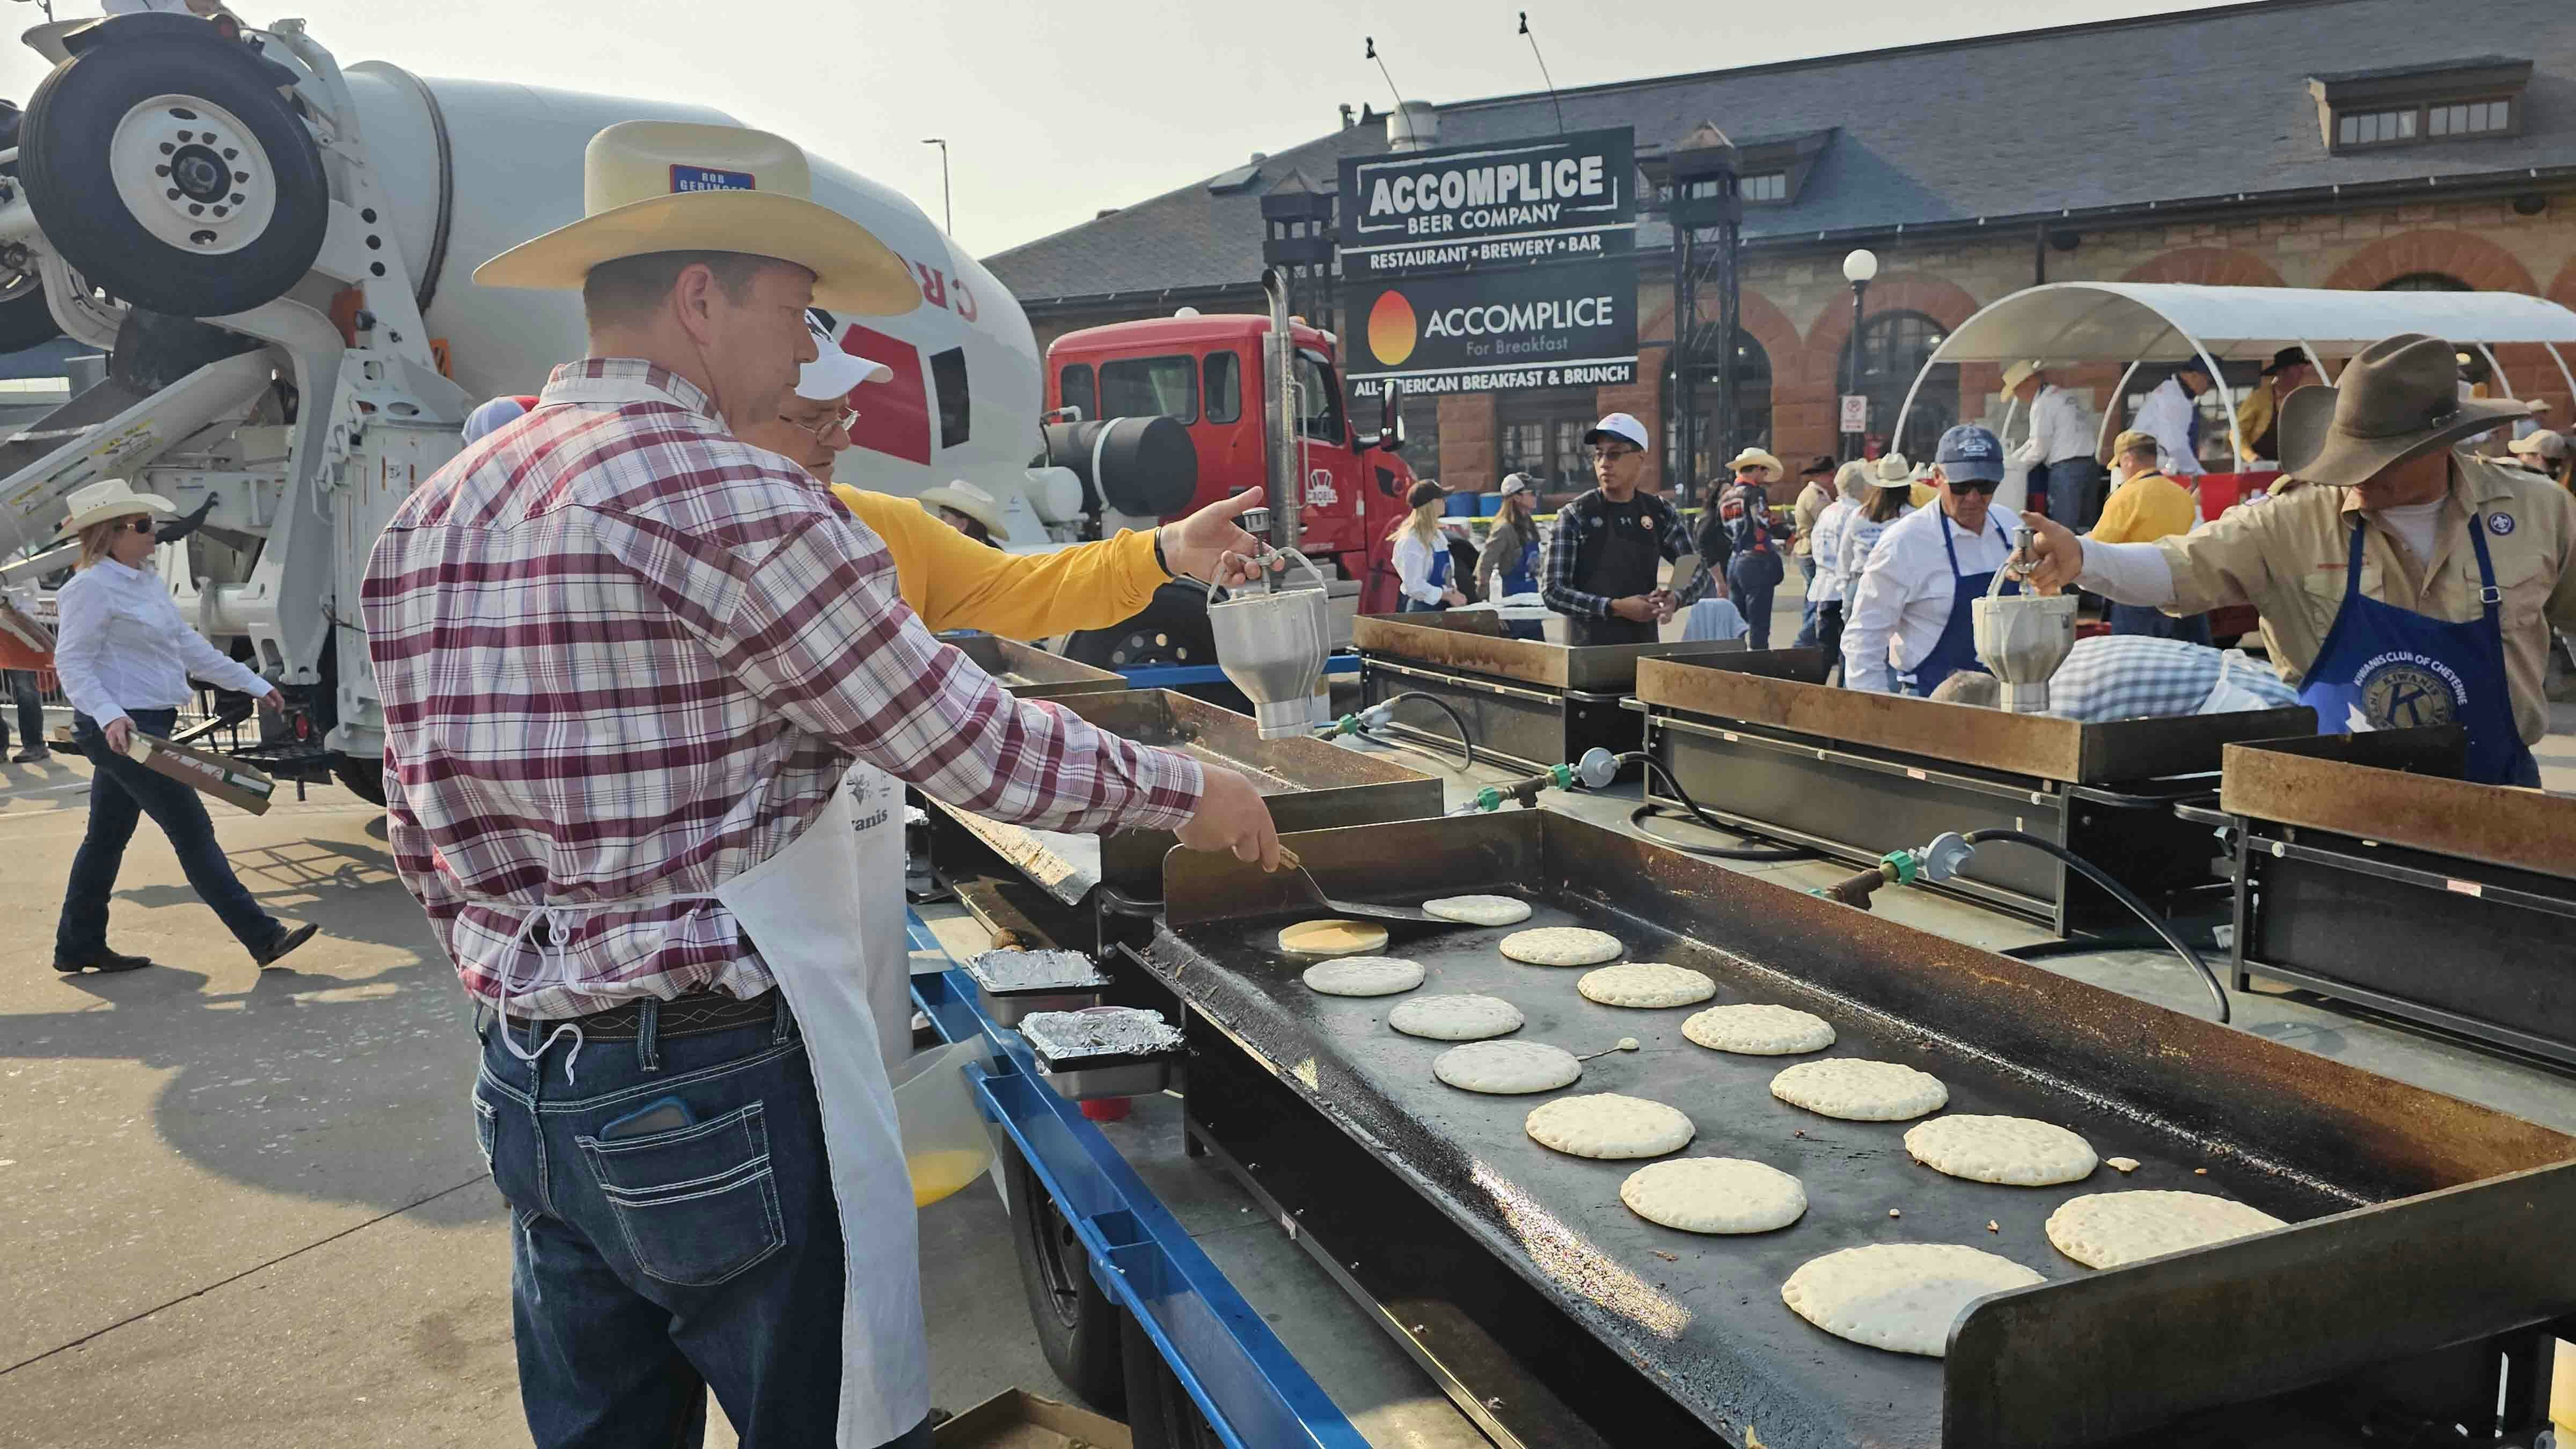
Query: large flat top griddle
x=1477 y=643
x=1310 y=783
x=2296 y=1135
x=2398 y=787
x=1785 y=689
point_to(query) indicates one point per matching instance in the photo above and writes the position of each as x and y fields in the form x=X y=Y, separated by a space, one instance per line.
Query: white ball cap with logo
x=1618 y=425
x=837 y=372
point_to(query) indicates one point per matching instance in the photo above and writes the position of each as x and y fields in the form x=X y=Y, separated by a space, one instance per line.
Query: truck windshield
x=1142 y=386
x=1319 y=399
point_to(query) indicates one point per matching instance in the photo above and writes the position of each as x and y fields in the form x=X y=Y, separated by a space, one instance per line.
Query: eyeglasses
x=1613 y=454
x=143 y=524
x=832 y=422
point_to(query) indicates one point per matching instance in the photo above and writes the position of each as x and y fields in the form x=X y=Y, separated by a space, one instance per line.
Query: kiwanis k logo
x=2402 y=693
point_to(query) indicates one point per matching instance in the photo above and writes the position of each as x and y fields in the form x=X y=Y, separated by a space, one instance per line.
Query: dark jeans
x=2075 y=492
x=644 y=1270
x=31 y=710
x=1755 y=604
x=2157 y=624
x=1807 y=612
x=1829 y=631
x=122 y=792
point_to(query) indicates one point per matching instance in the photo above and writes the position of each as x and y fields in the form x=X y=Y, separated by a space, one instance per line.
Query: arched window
x=2426 y=282
x=1893 y=348
x=1752 y=408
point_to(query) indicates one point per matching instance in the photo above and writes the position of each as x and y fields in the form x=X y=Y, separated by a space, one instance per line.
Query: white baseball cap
x=1621 y=426
x=837 y=372
x=1515 y=483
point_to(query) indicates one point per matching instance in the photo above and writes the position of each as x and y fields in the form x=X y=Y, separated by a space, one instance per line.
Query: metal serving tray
x=2421 y=1221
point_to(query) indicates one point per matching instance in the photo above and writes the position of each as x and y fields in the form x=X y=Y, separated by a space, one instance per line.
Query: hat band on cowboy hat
x=677 y=186
x=2398 y=400
x=111 y=498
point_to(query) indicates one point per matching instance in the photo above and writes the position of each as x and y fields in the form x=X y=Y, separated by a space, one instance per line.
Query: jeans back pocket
x=698 y=1205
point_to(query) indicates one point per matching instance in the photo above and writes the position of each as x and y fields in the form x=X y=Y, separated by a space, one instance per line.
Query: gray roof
x=2170 y=108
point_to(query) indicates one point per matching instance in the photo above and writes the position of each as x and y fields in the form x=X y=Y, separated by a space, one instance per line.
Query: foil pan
x=1099 y=1031
x=1003 y=973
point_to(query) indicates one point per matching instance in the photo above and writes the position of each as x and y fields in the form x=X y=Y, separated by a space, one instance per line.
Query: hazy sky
x=1054 y=110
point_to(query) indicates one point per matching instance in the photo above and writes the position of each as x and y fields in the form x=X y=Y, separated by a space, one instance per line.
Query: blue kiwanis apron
x=1440 y=564
x=2383 y=667
x=1956 y=649
x=1522 y=579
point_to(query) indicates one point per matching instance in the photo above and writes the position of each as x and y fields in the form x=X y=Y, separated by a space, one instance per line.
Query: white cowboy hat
x=1756 y=458
x=673 y=186
x=1895 y=472
x=2019 y=373
x=835 y=371
x=972 y=501
x=111 y=498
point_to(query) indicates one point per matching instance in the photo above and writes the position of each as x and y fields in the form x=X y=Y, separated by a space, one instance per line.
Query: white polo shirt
x=1901 y=602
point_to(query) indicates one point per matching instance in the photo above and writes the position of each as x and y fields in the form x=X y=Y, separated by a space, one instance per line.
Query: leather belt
x=699 y=1011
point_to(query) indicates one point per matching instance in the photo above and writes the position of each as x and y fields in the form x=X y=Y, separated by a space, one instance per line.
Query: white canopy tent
x=2166 y=322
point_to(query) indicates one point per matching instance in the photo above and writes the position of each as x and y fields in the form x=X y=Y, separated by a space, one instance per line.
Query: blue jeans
x=1806 y=614
x=122 y=792
x=30 y=709
x=1755 y=604
x=646 y=1269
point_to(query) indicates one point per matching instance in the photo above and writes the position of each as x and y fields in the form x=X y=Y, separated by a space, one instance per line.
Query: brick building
x=2306 y=143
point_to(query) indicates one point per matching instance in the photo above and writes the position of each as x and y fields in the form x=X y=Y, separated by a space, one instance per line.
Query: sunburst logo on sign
x=1392 y=329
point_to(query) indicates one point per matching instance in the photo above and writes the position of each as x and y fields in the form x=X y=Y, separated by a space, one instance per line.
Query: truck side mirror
x=1390 y=418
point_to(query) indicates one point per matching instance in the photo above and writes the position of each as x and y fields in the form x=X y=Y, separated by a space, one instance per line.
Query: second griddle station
x=1762 y=742
x=2368 y=871
x=1529 y=702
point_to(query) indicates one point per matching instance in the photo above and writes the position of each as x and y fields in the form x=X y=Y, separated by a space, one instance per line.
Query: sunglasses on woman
x=142 y=524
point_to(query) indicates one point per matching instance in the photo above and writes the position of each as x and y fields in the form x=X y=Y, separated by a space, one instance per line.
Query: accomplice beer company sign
x=1491 y=267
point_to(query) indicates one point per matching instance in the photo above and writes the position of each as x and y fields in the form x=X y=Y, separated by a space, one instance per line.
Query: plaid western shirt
x=2137 y=676
x=1585 y=518
x=623 y=654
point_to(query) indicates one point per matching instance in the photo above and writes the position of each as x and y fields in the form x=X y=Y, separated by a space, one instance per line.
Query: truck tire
x=1160 y=1412
x=1078 y=1325
x=1172 y=628
x=171 y=171
x=26 y=319
x=364 y=778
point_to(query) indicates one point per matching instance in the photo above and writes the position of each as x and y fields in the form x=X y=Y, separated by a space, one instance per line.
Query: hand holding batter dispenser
x=2023 y=637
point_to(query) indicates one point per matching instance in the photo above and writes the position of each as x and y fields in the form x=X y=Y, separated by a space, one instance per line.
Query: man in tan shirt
x=2462 y=564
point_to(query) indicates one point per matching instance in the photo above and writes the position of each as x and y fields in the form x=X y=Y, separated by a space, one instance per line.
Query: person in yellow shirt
x=2144 y=506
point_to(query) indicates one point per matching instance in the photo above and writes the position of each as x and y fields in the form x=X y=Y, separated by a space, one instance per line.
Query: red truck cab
x=1204 y=371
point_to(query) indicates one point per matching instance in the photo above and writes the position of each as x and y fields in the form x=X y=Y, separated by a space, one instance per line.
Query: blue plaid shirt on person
x=2137 y=676
x=1588 y=515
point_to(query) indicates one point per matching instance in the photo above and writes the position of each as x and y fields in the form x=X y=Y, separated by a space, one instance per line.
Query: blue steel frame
x=1252 y=1390
x=1176 y=676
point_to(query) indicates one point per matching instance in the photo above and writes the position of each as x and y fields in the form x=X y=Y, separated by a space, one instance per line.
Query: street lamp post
x=1858 y=269
x=947 y=218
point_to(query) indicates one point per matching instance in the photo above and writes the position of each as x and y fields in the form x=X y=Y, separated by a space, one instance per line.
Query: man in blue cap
x=1908 y=625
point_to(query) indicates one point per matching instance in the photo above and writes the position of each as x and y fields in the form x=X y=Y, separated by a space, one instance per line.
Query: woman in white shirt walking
x=125 y=658
x=1829 y=585
x=1422 y=561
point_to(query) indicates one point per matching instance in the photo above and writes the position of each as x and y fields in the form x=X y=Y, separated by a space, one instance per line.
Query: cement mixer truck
x=276 y=254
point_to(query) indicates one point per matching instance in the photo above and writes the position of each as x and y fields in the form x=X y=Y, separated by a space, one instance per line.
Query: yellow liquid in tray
x=937 y=1174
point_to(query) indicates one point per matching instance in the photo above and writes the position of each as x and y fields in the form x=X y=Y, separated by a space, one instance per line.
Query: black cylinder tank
x=1147 y=467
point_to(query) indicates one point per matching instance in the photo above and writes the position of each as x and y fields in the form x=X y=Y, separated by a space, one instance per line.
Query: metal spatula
x=1413 y=916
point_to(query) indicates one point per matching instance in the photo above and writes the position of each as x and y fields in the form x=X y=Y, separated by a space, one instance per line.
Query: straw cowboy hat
x=111 y=498
x=1756 y=458
x=972 y=501
x=2399 y=399
x=2020 y=372
x=674 y=186
x=1895 y=472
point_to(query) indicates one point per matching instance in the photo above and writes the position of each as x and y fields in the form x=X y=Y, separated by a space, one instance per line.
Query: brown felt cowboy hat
x=2399 y=399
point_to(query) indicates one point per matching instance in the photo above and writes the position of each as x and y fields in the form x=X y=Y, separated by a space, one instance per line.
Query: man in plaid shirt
x=2139 y=676
x=625 y=658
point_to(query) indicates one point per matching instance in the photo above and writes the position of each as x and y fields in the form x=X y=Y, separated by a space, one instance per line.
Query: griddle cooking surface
x=1716 y=1303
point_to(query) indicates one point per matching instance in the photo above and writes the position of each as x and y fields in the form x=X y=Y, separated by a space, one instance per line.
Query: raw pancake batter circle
x=1714 y=1195
x=1561 y=946
x=1364 y=976
x=1902 y=1297
x=1455 y=1018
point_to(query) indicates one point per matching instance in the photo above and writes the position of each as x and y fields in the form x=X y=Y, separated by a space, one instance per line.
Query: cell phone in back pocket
x=670 y=1114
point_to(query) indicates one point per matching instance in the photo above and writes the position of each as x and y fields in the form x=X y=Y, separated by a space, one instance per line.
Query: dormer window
x=2409 y=105
x=1766 y=186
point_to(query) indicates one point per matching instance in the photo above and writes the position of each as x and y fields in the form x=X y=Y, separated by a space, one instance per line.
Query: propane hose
x=2121 y=893
x=1638 y=817
x=1382 y=713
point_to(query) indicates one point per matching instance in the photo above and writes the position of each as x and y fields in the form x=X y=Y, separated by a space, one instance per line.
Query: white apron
x=826 y=914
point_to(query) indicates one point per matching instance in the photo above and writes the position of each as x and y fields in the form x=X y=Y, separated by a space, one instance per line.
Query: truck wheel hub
x=192 y=174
